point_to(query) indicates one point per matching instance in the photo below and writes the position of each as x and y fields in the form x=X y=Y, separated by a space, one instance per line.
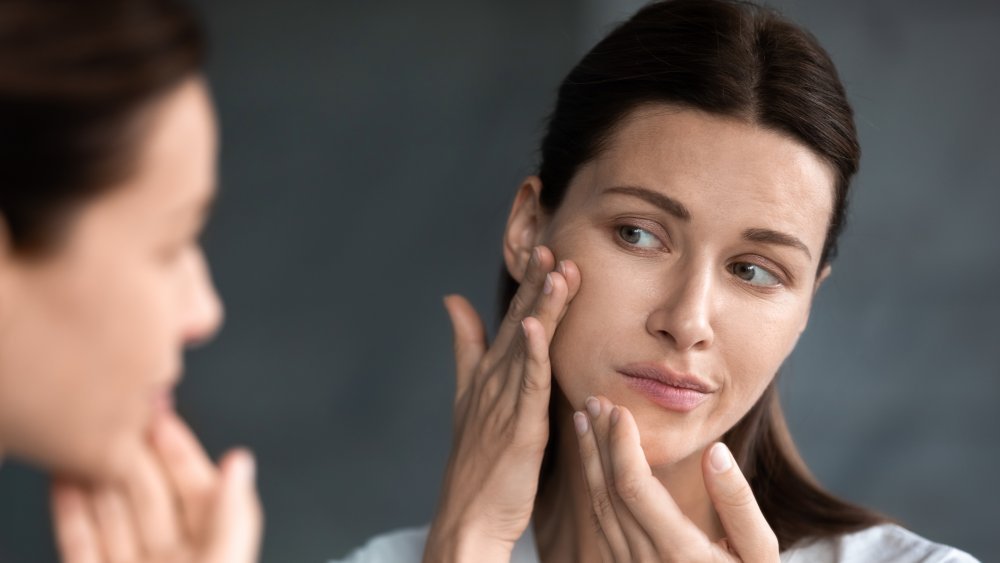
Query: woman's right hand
x=501 y=423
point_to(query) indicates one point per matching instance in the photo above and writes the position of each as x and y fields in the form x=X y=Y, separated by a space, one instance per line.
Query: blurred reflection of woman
x=107 y=174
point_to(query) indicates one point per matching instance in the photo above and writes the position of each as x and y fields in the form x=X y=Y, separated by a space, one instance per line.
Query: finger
x=640 y=544
x=672 y=534
x=530 y=372
x=597 y=487
x=188 y=469
x=571 y=273
x=75 y=530
x=153 y=509
x=237 y=519
x=523 y=302
x=535 y=383
x=469 y=339
x=114 y=524
x=747 y=531
x=551 y=304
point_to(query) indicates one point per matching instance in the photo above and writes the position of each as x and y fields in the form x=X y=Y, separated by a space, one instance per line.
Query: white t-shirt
x=887 y=543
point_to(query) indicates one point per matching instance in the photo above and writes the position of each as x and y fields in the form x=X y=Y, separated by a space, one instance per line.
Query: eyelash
x=768 y=266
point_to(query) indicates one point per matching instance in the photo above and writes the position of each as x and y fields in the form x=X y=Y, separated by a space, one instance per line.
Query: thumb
x=747 y=532
x=236 y=522
x=470 y=339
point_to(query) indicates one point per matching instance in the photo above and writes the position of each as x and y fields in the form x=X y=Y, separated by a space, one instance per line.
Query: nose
x=203 y=311
x=683 y=316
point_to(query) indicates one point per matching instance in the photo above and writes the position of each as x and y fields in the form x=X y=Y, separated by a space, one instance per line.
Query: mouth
x=162 y=395
x=671 y=390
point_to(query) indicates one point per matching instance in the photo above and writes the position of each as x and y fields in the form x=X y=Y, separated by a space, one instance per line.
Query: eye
x=637 y=236
x=754 y=274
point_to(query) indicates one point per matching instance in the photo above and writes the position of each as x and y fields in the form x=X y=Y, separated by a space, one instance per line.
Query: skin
x=92 y=336
x=695 y=295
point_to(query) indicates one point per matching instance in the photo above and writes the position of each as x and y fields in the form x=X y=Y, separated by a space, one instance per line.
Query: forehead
x=176 y=165
x=174 y=178
x=719 y=167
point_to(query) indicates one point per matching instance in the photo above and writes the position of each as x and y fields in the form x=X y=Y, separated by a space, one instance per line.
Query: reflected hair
x=744 y=61
x=75 y=79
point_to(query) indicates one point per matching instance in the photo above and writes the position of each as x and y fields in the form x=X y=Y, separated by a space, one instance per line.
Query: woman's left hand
x=173 y=506
x=638 y=520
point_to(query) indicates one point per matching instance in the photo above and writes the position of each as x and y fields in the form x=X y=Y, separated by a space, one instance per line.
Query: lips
x=669 y=389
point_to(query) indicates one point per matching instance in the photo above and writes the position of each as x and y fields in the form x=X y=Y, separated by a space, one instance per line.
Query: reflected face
x=91 y=337
x=698 y=240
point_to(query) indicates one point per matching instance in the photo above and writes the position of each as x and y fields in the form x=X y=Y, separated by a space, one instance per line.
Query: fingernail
x=720 y=458
x=614 y=416
x=593 y=407
x=580 y=421
x=536 y=256
x=562 y=267
x=547 y=287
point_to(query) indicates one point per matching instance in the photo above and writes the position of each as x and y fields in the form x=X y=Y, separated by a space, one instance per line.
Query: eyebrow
x=774 y=237
x=677 y=209
x=666 y=203
x=193 y=214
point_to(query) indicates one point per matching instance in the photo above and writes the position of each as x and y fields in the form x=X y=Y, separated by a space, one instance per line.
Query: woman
x=693 y=182
x=107 y=172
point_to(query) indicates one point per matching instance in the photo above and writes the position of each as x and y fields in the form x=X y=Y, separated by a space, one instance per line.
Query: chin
x=105 y=460
x=667 y=444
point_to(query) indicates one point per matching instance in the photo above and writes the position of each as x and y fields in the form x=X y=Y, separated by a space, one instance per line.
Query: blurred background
x=370 y=154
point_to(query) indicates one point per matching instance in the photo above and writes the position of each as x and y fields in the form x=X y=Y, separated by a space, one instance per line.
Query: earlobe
x=524 y=226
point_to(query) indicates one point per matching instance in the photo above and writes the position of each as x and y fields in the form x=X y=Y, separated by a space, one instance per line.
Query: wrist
x=465 y=543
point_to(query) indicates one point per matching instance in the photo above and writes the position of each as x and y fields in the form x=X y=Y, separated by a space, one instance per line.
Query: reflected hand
x=173 y=506
x=501 y=417
x=638 y=520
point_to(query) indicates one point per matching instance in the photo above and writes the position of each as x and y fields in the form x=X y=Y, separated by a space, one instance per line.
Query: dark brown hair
x=75 y=78
x=745 y=61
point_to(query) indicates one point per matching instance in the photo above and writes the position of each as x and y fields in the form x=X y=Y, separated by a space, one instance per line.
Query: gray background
x=370 y=154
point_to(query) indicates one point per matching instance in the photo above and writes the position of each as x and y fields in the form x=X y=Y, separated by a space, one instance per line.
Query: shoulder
x=407 y=546
x=885 y=543
x=399 y=546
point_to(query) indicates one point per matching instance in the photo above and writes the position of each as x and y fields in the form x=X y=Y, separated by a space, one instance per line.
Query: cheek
x=752 y=341
x=91 y=345
x=600 y=327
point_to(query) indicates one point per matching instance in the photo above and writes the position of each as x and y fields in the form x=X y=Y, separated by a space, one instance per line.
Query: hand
x=638 y=519
x=501 y=417
x=173 y=506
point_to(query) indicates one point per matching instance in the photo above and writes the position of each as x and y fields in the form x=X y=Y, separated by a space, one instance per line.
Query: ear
x=820 y=278
x=524 y=227
x=823 y=274
x=6 y=263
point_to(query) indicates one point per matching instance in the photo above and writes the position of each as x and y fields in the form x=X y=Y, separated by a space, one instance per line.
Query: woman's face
x=698 y=239
x=91 y=337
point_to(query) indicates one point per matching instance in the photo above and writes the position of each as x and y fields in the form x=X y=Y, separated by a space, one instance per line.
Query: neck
x=562 y=520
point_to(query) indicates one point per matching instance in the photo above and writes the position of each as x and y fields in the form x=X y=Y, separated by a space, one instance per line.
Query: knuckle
x=741 y=498
x=518 y=307
x=532 y=383
x=601 y=501
x=629 y=487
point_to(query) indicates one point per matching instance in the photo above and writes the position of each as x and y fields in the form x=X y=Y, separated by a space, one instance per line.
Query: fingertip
x=581 y=423
x=720 y=459
x=68 y=500
x=544 y=256
x=529 y=324
x=240 y=466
